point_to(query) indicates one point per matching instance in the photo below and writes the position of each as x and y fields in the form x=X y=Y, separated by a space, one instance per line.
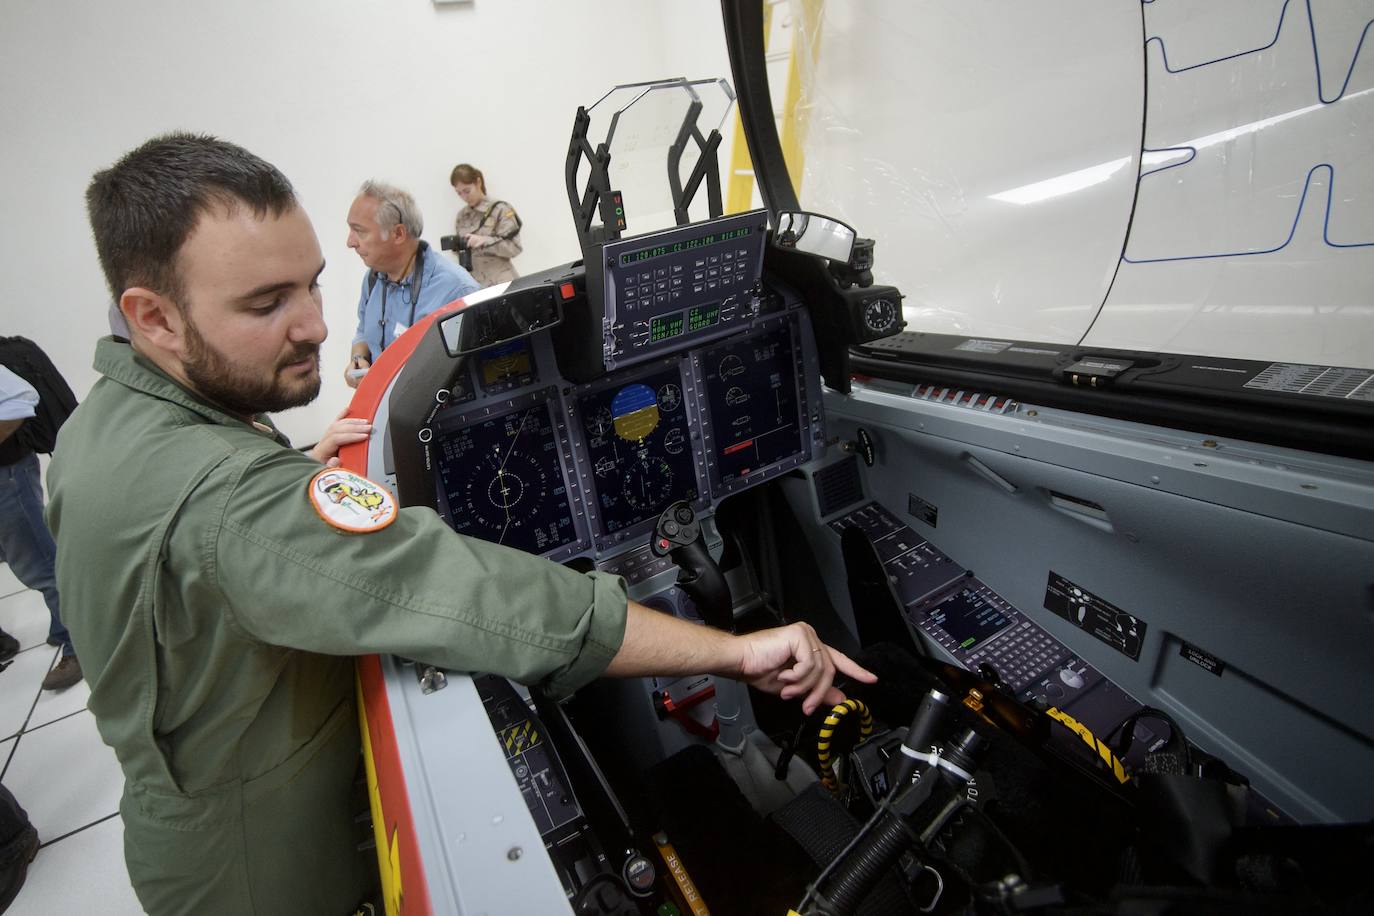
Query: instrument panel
x=757 y=415
x=520 y=456
x=638 y=441
x=501 y=476
x=681 y=287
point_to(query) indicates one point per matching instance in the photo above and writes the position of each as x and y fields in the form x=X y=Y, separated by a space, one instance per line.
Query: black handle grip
x=678 y=535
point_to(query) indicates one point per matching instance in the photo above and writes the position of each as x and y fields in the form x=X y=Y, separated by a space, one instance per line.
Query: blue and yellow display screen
x=640 y=448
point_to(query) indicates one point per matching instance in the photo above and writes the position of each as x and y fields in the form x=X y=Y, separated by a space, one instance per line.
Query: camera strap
x=515 y=216
x=417 y=279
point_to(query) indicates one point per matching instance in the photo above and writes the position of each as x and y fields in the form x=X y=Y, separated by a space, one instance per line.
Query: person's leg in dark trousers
x=18 y=846
x=28 y=547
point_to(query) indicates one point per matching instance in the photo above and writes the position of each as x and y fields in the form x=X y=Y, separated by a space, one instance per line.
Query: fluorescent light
x=1062 y=184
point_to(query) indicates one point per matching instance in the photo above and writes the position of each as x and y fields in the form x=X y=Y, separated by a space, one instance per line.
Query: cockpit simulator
x=659 y=410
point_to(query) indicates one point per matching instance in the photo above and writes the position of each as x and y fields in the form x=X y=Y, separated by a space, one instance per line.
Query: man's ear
x=153 y=317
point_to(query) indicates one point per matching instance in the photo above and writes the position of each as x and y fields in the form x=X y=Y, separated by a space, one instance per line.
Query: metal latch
x=1094 y=373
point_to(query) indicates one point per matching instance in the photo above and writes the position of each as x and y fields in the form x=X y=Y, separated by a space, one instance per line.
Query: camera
x=456 y=243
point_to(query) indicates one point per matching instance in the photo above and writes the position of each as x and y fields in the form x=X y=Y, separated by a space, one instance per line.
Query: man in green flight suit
x=216 y=605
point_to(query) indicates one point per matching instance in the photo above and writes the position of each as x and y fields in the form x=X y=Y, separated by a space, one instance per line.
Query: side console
x=947 y=606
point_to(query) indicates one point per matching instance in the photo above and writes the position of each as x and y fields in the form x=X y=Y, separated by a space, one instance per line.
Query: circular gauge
x=647 y=482
x=674 y=441
x=604 y=466
x=502 y=492
x=505 y=490
x=669 y=398
x=730 y=366
x=880 y=315
x=634 y=410
x=600 y=423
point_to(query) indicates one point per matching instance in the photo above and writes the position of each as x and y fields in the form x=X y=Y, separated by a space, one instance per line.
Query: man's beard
x=221 y=381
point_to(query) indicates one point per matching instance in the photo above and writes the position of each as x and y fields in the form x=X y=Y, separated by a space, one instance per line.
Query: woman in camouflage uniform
x=489 y=228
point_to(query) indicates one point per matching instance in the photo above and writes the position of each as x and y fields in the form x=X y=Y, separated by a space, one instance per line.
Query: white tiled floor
x=54 y=762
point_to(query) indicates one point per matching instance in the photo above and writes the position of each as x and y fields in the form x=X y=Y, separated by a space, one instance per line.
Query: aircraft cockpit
x=722 y=409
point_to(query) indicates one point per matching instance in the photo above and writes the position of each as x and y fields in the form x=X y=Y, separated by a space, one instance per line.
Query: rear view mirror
x=501 y=320
x=815 y=234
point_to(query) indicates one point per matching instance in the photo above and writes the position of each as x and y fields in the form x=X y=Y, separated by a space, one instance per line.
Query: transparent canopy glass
x=642 y=123
x=1157 y=176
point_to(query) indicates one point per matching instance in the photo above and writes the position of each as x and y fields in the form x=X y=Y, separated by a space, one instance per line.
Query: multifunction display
x=500 y=479
x=751 y=390
x=506 y=367
x=969 y=618
x=681 y=287
x=639 y=448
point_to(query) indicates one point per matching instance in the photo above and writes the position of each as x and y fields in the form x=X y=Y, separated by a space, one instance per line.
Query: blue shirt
x=17 y=397
x=389 y=308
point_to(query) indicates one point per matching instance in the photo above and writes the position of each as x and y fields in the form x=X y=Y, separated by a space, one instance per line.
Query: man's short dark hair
x=144 y=207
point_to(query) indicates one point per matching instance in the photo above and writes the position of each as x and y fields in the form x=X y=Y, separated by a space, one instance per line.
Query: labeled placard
x=1108 y=623
x=1204 y=660
x=919 y=508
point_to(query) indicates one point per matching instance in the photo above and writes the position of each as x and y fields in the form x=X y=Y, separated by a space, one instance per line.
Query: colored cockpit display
x=638 y=441
x=502 y=481
x=751 y=389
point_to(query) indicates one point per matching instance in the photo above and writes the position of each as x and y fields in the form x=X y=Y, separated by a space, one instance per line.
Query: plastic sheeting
x=1005 y=160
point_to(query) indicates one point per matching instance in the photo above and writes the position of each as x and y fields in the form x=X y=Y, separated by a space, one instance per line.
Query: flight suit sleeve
x=415 y=588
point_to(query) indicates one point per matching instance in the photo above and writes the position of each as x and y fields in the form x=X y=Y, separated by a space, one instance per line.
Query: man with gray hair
x=405 y=280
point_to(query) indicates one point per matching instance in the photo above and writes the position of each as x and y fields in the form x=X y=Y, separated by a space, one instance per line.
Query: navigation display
x=969 y=618
x=640 y=448
x=751 y=386
x=500 y=479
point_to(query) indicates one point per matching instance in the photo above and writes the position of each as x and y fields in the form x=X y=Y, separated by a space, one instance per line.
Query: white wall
x=332 y=92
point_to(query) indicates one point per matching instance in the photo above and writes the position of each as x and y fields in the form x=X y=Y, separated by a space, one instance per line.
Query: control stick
x=678 y=535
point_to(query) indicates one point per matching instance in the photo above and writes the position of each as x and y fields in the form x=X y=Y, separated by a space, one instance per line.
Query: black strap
x=515 y=216
x=417 y=279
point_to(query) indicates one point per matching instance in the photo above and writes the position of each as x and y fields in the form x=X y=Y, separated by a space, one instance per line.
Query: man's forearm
x=660 y=644
x=789 y=661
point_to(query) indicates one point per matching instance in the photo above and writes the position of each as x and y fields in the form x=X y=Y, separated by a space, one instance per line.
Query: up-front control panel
x=675 y=289
x=981 y=630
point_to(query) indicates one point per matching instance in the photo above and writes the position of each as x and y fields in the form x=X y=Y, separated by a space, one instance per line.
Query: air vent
x=838 y=486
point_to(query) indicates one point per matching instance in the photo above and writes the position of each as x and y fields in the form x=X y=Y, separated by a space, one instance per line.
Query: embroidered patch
x=350 y=502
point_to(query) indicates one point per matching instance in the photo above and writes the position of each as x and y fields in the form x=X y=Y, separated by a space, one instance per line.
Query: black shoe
x=67 y=673
x=12 y=876
x=53 y=641
x=9 y=646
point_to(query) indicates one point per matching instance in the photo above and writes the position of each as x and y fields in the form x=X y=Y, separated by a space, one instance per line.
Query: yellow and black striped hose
x=824 y=757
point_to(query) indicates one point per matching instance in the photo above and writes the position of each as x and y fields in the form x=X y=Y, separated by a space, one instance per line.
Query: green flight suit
x=215 y=612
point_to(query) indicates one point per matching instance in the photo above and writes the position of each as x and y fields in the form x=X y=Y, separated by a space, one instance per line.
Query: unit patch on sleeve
x=351 y=502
